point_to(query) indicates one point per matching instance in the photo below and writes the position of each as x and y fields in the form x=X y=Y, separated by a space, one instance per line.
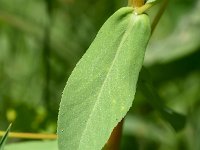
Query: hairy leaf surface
x=102 y=86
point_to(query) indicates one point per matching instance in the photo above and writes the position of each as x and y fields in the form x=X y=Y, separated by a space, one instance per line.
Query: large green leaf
x=102 y=86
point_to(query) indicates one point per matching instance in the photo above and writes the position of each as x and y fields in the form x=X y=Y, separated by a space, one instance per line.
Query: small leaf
x=4 y=138
x=102 y=86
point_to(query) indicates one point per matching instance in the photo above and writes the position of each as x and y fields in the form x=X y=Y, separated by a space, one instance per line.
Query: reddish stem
x=114 y=140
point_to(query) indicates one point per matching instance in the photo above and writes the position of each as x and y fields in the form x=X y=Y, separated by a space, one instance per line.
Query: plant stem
x=46 y=57
x=30 y=135
x=136 y=3
x=158 y=15
x=114 y=140
x=140 y=10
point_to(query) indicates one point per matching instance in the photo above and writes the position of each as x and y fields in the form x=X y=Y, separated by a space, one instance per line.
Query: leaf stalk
x=159 y=15
x=136 y=3
x=142 y=9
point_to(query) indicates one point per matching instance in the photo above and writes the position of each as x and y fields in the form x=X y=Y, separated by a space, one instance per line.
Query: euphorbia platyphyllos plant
x=101 y=88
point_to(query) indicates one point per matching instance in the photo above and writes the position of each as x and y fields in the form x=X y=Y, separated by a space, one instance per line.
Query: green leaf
x=102 y=86
x=4 y=138
x=33 y=145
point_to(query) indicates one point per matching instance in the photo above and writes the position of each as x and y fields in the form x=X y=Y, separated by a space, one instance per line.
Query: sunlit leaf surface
x=102 y=86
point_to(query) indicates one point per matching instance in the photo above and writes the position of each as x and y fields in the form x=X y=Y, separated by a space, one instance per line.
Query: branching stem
x=140 y=10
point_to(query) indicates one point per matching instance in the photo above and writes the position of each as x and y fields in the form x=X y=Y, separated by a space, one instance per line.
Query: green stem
x=46 y=57
x=159 y=14
x=136 y=3
x=140 y=10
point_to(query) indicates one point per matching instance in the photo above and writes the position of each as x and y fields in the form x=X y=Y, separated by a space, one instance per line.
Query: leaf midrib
x=125 y=35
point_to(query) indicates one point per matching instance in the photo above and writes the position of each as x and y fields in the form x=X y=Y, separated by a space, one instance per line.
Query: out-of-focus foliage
x=41 y=41
x=39 y=145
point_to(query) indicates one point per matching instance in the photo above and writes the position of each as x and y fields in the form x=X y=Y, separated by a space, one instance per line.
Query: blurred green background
x=42 y=40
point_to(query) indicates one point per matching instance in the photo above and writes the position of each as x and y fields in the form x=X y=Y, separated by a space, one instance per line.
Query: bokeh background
x=42 y=40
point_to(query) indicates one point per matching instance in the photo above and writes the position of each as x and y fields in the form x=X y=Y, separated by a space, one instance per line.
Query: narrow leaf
x=102 y=86
x=4 y=138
